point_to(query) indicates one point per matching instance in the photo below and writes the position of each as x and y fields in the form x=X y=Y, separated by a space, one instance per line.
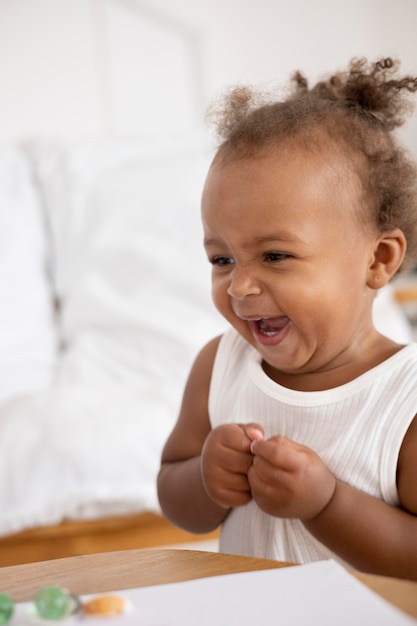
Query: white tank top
x=356 y=428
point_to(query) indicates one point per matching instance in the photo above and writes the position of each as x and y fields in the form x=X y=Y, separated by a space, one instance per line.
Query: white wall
x=47 y=68
x=54 y=77
x=264 y=41
x=261 y=40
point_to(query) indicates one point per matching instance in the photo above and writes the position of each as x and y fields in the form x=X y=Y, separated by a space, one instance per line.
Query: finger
x=227 y=488
x=255 y=432
x=234 y=461
x=278 y=451
x=231 y=498
x=233 y=437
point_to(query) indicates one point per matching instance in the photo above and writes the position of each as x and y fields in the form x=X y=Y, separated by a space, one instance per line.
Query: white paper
x=317 y=594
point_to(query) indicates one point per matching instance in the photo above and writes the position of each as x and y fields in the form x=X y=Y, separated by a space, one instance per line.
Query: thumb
x=255 y=432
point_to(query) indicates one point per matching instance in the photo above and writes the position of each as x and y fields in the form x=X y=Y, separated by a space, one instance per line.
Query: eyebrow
x=279 y=237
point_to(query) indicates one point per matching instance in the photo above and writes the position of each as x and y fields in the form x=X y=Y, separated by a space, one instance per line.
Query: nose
x=243 y=283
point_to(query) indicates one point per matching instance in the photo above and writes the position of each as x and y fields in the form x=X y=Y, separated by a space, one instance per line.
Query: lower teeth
x=266 y=331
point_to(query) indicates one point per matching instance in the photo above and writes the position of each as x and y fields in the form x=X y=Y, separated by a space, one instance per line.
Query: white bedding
x=28 y=335
x=105 y=301
x=83 y=420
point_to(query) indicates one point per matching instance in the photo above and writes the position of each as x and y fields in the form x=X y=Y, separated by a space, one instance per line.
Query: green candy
x=6 y=608
x=53 y=603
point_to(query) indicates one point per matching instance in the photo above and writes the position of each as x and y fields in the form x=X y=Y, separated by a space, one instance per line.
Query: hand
x=289 y=480
x=225 y=460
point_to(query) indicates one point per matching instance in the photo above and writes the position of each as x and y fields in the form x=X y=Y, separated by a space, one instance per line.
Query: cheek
x=219 y=294
x=314 y=306
x=221 y=299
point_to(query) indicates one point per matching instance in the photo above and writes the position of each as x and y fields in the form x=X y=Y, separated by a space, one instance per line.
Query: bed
x=105 y=296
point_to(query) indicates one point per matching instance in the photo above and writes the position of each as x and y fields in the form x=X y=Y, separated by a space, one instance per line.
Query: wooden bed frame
x=146 y=530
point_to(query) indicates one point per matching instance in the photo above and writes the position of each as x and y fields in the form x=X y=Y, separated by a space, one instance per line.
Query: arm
x=203 y=472
x=289 y=480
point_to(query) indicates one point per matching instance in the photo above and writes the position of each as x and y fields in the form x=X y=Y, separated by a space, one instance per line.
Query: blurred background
x=83 y=67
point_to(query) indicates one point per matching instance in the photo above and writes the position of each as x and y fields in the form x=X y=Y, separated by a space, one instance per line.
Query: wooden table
x=109 y=571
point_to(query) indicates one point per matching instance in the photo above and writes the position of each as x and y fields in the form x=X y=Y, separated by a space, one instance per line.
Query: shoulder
x=400 y=369
x=231 y=355
x=194 y=408
x=232 y=348
x=408 y=353
x=219 y=357
x=203 y=365
x=193 y=424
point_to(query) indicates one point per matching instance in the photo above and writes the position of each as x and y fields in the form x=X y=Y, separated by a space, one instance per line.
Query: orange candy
x=105 y=606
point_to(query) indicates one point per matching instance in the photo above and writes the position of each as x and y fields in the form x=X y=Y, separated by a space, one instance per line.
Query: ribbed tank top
x=356 y=428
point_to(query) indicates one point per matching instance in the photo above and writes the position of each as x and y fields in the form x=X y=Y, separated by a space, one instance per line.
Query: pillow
x=28 y=329
x=130 y=272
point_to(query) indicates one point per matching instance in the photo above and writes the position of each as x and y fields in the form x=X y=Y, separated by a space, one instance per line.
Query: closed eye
x=276 y=256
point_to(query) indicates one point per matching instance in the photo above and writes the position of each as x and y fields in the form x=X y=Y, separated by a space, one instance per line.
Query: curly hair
x=354 y=110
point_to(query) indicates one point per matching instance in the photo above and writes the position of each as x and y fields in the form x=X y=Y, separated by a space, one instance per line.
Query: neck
x=335 y=375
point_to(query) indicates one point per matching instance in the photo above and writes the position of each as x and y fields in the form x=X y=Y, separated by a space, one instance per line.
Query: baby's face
x=290 y=263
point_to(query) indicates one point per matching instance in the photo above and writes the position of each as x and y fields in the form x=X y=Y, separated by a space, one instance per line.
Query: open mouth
x=271 y=326
x=270 y=330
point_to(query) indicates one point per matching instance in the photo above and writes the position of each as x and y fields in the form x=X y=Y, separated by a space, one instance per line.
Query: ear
x=387 y=256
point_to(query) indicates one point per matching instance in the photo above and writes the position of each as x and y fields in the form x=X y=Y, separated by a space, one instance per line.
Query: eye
x=273 y=257
x=221 y=261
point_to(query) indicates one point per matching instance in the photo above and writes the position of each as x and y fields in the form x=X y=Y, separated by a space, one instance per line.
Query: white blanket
x=86 y=411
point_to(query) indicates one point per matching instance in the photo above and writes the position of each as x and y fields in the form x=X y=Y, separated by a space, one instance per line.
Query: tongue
x=273 y=324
